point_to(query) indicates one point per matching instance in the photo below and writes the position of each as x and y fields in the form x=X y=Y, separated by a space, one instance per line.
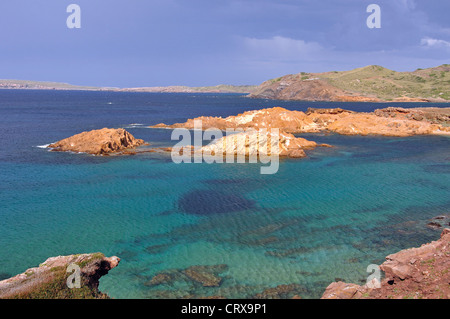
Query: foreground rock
x=380 y=122
x=49 y=280
x=412 y=273
x=98 y=142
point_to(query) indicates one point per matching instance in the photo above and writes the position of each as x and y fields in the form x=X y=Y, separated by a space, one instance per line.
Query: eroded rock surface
x=422 y=272
x=256 y=143
x=433 y=115
x=98 y=142
x=381 y=122
x=281 y=292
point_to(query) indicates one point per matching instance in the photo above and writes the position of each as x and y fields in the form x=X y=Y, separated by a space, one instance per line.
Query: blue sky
x=130 y=43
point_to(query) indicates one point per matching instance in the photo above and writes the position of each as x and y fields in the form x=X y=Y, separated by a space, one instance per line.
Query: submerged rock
x=204 y=275
x=98 y=142
x=434 y=225
x=207 y=276
x=50 y=279
x=159 y=279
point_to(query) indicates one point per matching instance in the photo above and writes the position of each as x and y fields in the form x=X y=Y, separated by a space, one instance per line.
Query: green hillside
x=387 y=84
x=373 y=82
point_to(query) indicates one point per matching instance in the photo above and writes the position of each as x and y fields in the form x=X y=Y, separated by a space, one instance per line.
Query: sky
x=135 y=43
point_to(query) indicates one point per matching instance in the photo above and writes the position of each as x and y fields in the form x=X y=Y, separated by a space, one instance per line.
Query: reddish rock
x=421 y=272
x=254 y=142
x=435 y=115
x=98 y=142
x=341 y=290
x=281 y=292
x=337 y=120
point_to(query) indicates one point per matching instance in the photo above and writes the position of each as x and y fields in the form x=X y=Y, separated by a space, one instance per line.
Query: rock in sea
x=98 y=142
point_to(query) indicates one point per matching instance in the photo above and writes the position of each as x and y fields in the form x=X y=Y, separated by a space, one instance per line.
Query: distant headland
x=39 y=85
x=372 y=83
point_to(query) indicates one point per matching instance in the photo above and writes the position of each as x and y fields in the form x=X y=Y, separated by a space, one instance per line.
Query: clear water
x=318 y=219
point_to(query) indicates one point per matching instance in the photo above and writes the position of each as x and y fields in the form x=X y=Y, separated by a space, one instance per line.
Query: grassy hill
x=370 y=83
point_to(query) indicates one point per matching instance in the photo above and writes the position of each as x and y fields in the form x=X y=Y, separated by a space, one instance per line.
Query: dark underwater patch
x=207 y=202
x=221 y=182
x=364 y=210
x=437 y=168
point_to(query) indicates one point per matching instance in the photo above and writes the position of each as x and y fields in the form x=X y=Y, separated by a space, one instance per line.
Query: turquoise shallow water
x=318 y=219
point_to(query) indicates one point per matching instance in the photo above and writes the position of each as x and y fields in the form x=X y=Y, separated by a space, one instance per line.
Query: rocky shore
x=415 y=273
x=254 y=143
x=49 y=280
x=391 y=121
x=387 y=122
x=98 y=142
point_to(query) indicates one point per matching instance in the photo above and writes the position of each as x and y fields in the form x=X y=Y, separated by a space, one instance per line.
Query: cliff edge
x=415 y=273
x=50 y=279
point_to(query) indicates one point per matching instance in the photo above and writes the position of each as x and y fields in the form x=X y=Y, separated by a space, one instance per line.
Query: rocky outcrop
x=256 y=143
x=98 y=142
x=338 y=120
x=50 y=279
x=433 y=115
x=333 y=111
x=281 y=292
x=276 y=117
x=417 y=273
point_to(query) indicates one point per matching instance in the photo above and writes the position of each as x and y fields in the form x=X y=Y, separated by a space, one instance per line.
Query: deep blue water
x=324 y=217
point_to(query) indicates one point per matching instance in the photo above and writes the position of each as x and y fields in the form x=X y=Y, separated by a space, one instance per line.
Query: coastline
x=106 y=195
x=412 y=273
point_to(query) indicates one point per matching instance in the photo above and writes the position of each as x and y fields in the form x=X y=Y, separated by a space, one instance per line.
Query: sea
x=320 y=219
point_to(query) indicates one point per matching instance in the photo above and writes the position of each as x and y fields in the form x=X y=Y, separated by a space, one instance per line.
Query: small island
x=388 y=122
x=98 y=142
